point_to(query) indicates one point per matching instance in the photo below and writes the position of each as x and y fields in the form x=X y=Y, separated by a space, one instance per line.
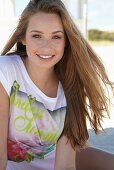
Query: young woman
x=50 y=84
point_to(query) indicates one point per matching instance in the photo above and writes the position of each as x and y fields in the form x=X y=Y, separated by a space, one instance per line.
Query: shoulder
x=61 y=97
x=8 y=62
x=8 y=58
x=9 y=66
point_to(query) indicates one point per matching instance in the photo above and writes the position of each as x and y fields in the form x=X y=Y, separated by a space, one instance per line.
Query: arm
x=65 y=155
x=4 y=114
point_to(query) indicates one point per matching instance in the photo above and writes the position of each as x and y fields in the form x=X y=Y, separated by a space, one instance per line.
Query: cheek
x=59 y=46
x=30 y=46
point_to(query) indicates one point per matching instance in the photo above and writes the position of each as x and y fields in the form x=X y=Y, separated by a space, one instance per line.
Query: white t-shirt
x=35 y=120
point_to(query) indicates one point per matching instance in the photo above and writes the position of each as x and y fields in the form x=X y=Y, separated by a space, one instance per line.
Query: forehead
x=42 y=20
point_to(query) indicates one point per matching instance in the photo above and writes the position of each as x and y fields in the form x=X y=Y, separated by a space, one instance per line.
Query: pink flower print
x=16 y=153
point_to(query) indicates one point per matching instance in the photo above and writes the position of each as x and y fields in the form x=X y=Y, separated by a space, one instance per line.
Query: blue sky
x=20 y=5
x=100 y=13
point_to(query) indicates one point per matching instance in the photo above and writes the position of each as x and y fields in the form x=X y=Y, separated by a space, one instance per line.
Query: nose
x=46 y=44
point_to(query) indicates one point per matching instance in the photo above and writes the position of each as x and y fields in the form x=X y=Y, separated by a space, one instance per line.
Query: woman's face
x=44 y=40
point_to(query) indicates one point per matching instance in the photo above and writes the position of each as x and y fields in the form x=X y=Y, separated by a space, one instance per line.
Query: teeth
x=45 y=56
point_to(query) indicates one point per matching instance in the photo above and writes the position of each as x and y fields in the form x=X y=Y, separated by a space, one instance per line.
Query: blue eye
x=36 y=36
x=57 y=37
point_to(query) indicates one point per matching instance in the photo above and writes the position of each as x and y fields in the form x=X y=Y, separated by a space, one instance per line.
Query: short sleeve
x=4 y=82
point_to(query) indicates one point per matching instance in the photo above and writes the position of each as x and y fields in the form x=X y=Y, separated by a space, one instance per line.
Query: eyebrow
x=43 y=33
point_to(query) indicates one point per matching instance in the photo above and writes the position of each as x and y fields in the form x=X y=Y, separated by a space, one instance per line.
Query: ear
x=23 y=41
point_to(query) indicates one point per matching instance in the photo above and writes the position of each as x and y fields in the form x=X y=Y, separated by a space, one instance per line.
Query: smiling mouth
x=45 y=57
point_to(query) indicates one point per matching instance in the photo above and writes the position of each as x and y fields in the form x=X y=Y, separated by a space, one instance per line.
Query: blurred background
x=95 y=19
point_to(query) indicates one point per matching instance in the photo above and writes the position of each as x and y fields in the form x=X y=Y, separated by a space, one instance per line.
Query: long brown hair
x=80 y=71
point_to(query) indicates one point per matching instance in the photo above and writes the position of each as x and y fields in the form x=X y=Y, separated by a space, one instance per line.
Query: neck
x=42 y=77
